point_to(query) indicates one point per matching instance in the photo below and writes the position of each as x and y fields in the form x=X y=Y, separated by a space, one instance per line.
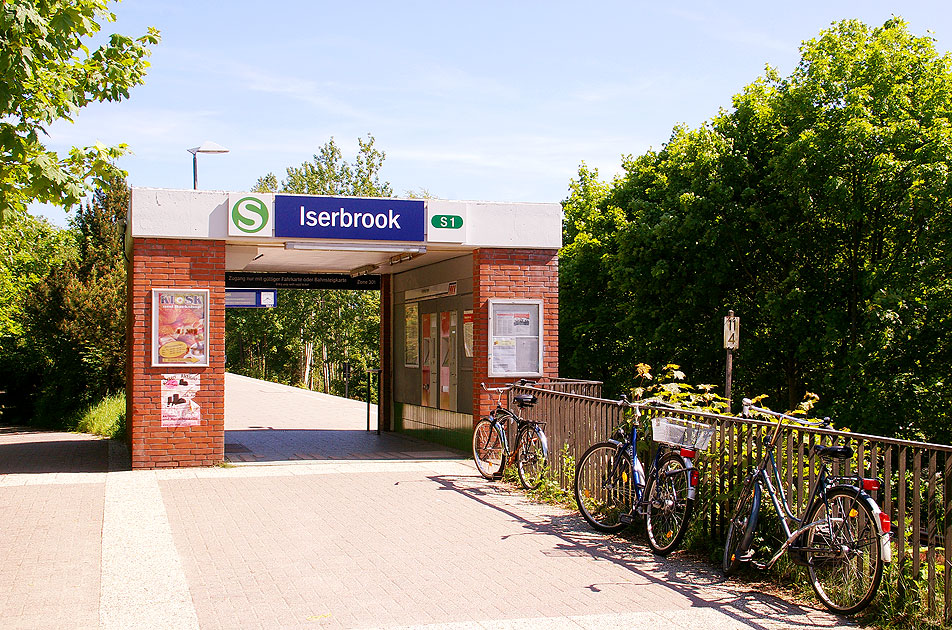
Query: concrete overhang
x=204 y=215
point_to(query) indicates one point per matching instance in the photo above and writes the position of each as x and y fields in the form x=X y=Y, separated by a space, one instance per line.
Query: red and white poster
x=179 y=408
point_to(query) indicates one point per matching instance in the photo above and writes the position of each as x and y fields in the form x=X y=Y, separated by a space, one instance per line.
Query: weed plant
x=106 y=417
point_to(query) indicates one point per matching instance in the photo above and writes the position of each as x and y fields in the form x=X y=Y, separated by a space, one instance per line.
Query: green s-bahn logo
x=249 y=214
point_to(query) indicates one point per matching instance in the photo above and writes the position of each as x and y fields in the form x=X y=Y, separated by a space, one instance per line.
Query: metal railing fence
x=916 y=491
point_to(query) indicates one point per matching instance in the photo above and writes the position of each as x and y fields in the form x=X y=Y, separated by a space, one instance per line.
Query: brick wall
x=185 y=264
x=512 y=274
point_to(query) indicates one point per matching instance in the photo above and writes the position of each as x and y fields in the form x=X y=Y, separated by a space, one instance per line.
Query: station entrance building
x=468 y=294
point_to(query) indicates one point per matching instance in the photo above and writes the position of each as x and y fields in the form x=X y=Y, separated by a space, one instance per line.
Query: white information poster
x=179 y=408
x=515 y=337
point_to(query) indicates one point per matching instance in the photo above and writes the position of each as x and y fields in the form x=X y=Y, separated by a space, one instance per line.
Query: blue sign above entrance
x=349 y=218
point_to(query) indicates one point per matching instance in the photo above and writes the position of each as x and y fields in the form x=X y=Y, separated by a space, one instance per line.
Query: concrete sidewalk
x=377 y=541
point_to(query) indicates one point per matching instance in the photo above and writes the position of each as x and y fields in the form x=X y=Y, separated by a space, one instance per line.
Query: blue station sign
x=349 y=218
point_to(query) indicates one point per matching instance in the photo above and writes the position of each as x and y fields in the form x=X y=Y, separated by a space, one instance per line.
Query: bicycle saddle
x=833 y=452
x=525 y=400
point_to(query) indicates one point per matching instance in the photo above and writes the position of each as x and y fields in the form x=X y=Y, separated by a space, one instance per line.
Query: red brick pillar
x=512 y=274
x=181 y=264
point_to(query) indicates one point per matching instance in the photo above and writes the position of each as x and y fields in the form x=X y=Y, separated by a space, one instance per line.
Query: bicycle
x=842 y=538
x=491 y=442
x=611 y=487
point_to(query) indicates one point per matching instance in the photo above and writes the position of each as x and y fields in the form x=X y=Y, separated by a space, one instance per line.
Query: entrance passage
x=267 y=422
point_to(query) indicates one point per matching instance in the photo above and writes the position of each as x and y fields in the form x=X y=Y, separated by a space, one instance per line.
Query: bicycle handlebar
x=499 y=390
x=748 y=406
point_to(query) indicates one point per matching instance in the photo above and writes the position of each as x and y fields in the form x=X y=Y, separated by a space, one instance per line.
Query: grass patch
x=106 y=417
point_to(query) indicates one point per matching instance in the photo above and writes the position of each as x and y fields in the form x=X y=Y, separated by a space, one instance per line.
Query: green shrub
x=106 y=417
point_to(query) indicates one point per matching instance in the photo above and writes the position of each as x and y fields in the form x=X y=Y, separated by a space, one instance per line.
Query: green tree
x=309 y=335
x=70 y=348
x=47 y=73
x=817 y=208
x=29 y=248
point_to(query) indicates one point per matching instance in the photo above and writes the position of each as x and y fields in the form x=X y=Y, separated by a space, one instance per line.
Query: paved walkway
x=407 y=536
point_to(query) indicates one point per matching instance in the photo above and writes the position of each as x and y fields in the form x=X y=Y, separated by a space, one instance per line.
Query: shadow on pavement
x=268 y=445
x=699 y=582
x=25 y=450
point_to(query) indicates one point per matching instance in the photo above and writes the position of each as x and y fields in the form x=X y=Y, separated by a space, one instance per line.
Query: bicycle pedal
x=627 y=519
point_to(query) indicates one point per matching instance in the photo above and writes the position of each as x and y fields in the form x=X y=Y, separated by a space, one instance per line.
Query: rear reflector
x=695 y=478
x=870 y=484
x=884 y=522
x=688 y=453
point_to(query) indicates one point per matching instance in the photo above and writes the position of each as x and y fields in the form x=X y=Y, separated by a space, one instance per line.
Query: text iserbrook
x=345 y=219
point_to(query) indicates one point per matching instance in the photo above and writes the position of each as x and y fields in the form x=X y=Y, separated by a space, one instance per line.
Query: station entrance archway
x=469 y=294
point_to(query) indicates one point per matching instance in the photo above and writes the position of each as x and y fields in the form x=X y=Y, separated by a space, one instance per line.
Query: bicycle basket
x=682 y=433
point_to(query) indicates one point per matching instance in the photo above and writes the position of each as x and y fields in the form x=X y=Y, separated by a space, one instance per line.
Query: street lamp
x=206 y=147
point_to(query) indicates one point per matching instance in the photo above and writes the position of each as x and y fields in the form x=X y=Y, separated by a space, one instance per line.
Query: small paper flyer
x=179 y=408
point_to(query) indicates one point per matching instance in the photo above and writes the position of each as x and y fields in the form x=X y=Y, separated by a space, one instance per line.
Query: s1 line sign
x=372 y=219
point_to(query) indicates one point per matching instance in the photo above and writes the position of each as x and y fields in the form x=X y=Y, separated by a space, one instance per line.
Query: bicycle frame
x=640 y=504
x=503 y=422
x=779 y=498
x=503 y=417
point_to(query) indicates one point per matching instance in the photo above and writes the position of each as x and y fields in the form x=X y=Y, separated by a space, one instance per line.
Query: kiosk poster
x=179 y=322
x=179 y=408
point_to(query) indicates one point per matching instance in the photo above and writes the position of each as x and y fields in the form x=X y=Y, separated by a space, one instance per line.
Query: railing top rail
x=553 y=392
x=806 y=429
x=848 y=434
x=574 y=380
x=647 y=406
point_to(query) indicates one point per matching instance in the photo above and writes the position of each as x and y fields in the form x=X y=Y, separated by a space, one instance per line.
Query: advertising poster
x=412 y=344
x=448 y=359
x=179 y=408
x=468 y=333
x=179 y=322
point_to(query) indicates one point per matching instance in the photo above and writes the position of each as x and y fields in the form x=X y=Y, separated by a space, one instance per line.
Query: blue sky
x=484 y=100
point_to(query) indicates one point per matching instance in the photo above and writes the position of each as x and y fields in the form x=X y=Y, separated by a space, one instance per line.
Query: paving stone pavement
x=378 y=541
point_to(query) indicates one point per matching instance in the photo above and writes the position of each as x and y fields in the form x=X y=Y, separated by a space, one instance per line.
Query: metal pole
x=730 y=374
x=730 y=371
x=194 y=171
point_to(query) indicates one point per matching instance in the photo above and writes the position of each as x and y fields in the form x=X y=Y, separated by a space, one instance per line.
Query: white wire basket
x=682 y=433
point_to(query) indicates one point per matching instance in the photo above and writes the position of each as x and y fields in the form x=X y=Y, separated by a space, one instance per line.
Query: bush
x=106 y=417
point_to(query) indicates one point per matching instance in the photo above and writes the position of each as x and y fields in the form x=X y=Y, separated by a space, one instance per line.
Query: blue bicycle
x=612 y=489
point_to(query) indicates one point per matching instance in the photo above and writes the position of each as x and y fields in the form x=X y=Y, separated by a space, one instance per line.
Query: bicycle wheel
x=669 y=507
x=844 y=560
x=603 y=486
x=488 y=447
x=740 y=532
x=531 y=457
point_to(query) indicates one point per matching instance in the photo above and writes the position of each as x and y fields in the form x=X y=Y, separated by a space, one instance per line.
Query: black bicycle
x=842 y=538
x=612 y=489
x=491 y=442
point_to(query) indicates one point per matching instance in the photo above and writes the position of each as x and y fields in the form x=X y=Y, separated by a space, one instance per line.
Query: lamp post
x=206 y=147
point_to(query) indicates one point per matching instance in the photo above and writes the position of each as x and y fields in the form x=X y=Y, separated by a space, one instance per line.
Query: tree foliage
x=68 y=345
x=306 y=339
x=29 y=248
x=48 y=73
x=817 y=208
